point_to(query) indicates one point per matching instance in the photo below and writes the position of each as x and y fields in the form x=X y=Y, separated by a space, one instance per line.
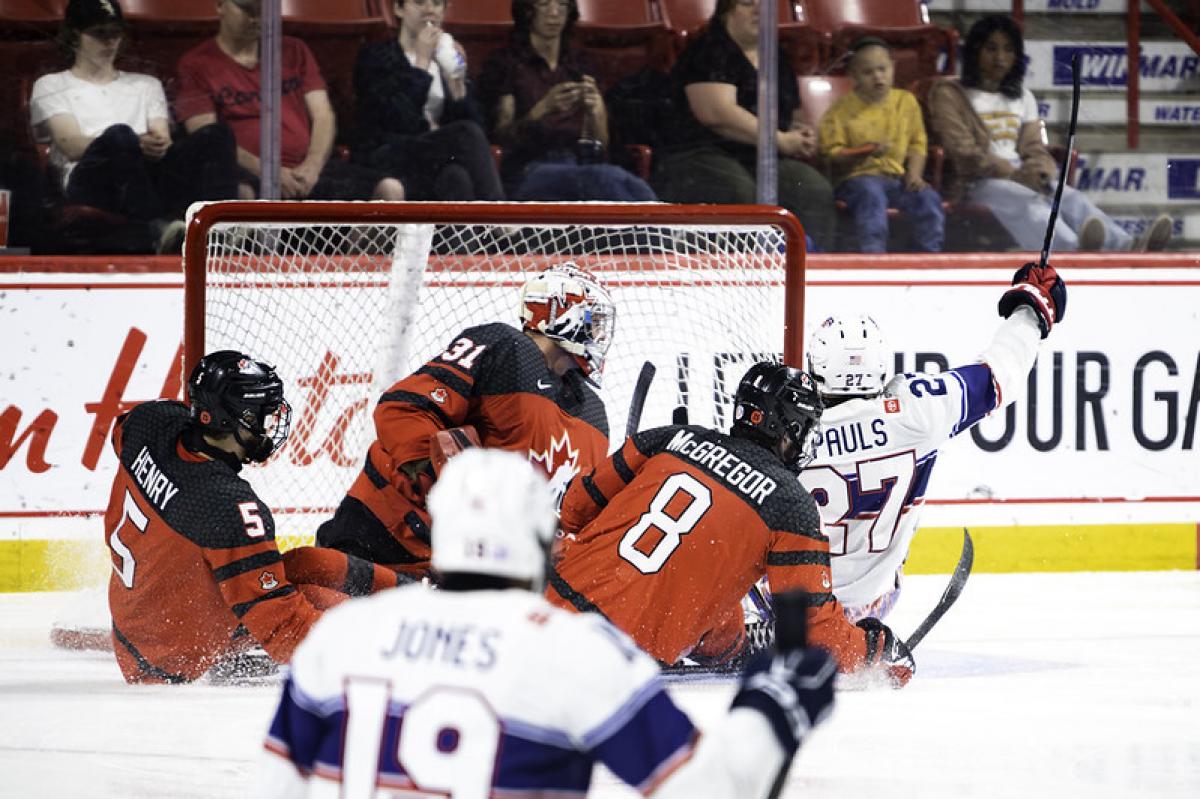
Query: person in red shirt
x=197 y=579
x=665 y=537
x=219 y=81
x=526 y=390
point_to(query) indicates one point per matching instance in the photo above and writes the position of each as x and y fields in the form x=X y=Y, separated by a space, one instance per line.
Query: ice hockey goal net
x=346 y=298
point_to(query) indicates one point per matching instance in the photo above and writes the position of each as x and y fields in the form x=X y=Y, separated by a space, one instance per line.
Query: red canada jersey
x=665 y=538
x=197 y=575
x=494 y=378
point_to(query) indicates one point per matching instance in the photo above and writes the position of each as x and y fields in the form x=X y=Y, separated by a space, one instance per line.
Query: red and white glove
x=886 y=652
x=1041 y=289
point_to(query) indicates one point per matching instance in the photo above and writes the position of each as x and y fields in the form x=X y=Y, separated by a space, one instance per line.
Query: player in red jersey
x=197 y=577
x=527 y=390
x=667 y=536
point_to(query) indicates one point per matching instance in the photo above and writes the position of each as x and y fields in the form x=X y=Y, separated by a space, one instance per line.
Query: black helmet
x=232 y=393
x=775 y=402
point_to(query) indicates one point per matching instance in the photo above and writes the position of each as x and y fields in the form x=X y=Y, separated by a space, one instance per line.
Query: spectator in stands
x=713 y=158
x=995 y=148
x=417 y=118
x=547 y=111
x=110 y=137
x=219 y=80
x=875 y=139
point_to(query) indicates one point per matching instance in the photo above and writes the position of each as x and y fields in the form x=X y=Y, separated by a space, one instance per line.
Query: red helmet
x=567 y=304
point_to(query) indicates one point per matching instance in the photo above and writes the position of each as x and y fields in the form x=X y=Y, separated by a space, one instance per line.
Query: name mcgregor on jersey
x=723 y=463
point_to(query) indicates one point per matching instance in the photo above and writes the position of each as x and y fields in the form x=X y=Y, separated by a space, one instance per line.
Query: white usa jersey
x=876 y=455
x=472 y=694
x=872 y=468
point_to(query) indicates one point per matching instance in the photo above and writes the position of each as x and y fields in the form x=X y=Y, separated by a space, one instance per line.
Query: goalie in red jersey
x=528 y=390
x=197 y=577
x=666 y=537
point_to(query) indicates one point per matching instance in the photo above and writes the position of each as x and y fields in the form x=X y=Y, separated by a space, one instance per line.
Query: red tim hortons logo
x=891 y=405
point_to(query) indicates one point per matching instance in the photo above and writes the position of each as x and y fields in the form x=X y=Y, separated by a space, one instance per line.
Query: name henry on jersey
x=744 y=477
x=158 y=487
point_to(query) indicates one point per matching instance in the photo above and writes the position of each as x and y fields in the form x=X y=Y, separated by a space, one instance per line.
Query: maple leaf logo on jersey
x=558 y=454
x=267 y=581
x=891 y=406
x=439 y=396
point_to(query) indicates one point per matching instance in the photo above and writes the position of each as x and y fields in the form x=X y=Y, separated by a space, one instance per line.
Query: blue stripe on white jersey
x=640 y=742
x=978 y=394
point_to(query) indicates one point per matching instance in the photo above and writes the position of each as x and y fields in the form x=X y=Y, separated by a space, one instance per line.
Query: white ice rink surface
x=1048 y=685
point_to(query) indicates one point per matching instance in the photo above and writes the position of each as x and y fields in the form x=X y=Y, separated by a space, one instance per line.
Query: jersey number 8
x=672 y=528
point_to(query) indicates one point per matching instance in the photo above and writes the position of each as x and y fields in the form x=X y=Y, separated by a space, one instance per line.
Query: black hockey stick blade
x=638 y=401
x=955 y=587
x=1066 y=167
x=679 y=416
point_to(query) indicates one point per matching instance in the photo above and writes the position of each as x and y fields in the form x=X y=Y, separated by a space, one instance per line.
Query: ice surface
x=1038 y=685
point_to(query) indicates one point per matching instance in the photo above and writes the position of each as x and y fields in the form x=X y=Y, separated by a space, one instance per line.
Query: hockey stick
x=955 y=587
x=638 y=401
x=1066 y=167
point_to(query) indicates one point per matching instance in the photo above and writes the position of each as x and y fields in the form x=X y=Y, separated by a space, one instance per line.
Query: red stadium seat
x=24 y=19
x=903 y=24
x=622 y=38
x=480 y=26
x=804 y=45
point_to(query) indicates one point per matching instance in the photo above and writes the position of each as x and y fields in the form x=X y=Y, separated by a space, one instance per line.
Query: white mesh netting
x=344 y=310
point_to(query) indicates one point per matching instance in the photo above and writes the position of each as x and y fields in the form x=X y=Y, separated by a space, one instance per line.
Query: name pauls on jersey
x=460 y=645
x=723 y=463
x=847 y=439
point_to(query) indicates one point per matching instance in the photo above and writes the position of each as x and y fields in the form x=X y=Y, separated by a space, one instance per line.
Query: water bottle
x=449 y=59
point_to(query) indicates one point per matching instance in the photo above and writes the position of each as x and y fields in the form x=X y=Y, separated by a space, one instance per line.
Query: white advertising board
x=1114 y=411
x=1175 y=112
x=1164 y=66
x=1035 y=6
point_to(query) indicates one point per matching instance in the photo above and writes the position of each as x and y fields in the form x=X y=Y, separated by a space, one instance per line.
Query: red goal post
x=344 y=298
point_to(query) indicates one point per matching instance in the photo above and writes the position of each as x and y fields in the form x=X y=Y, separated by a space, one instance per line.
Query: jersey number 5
x=134 y=516
x=670 y=528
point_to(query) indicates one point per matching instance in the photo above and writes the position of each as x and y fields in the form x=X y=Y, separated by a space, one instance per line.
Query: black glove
x=888 y=653
x=793 y=689
x=1042 y=290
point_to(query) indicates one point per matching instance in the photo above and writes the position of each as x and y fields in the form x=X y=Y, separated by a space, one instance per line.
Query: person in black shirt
x=712 y=158
x=417 y=116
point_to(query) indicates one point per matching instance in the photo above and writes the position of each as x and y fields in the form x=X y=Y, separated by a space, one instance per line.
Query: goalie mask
x=848 y=357
x=568 y=305
x=779 y=407
x=492 y=513
x=231 y=393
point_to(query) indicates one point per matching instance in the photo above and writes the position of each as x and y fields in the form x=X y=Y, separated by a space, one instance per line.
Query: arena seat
x=916 y=44
x=480 y=26
x=30 y=19
x=160 y=31
x=623 y=38
x=804 y=44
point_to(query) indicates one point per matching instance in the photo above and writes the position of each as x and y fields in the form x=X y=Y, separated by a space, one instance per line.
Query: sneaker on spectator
x=170 y=239
x=1091 y=234
x=1156 y=236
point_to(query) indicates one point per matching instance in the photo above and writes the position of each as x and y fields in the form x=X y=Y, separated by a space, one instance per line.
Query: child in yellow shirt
x=875 y=139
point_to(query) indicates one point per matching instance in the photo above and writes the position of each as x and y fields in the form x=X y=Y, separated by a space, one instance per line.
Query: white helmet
x=848 y=357
x=568 y=305
x=492 y=513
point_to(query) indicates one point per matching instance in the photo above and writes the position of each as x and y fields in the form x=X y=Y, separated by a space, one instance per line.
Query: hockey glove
x=792 y=689
x=1042 y=290
x=445 y=444
x=888 y=653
